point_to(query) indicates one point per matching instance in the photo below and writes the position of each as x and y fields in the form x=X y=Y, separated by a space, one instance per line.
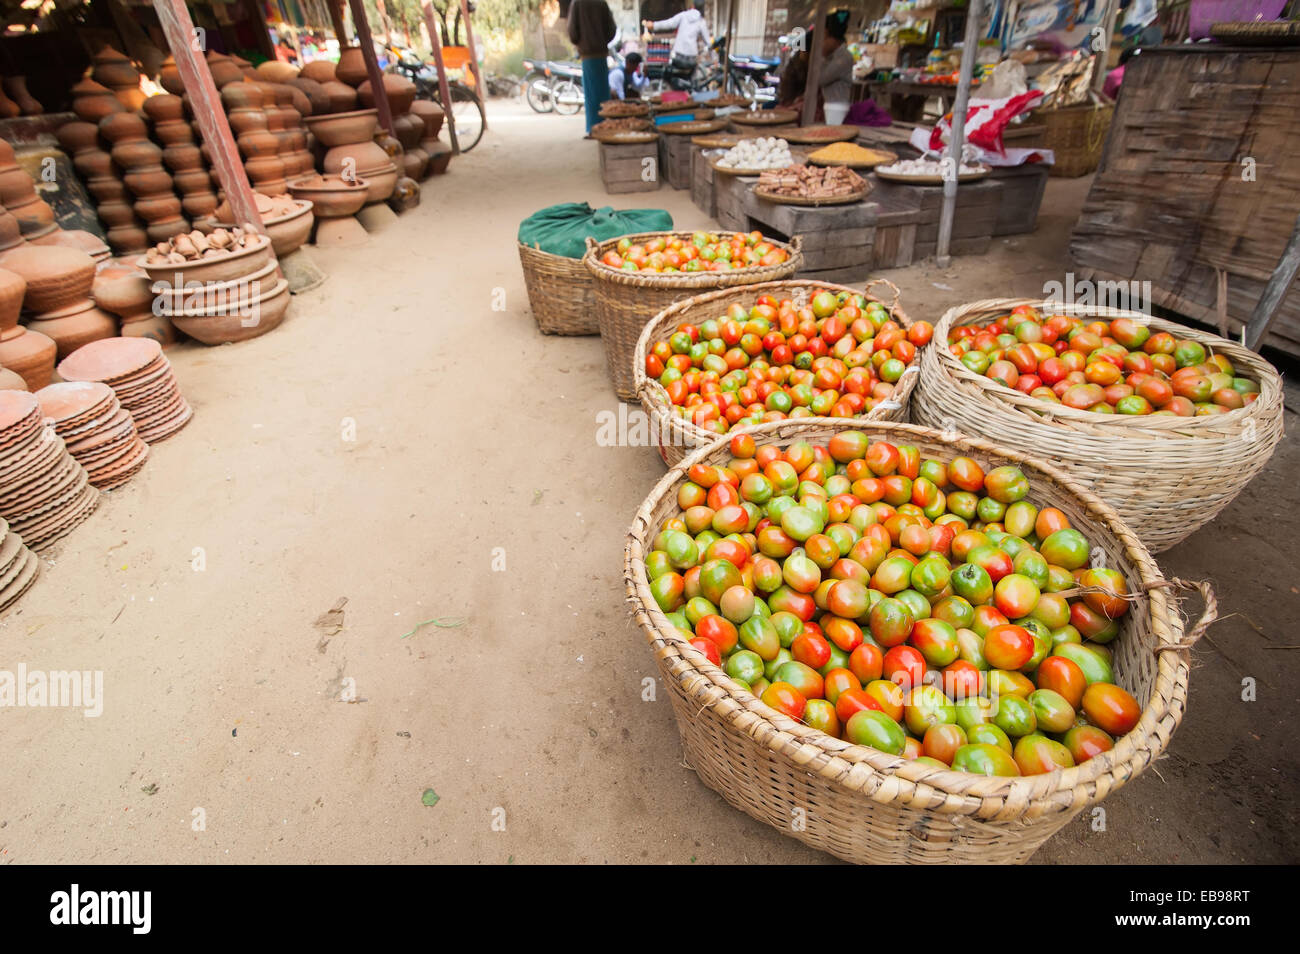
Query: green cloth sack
x=563 y=229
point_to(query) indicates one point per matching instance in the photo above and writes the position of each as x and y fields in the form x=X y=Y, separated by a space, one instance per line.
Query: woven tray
x=625 y=138
x=868 y=807
x=764 y=117
x=693 y=128
x=887 y=157
x=807 y=137
x=984 y=173
x=813 y=202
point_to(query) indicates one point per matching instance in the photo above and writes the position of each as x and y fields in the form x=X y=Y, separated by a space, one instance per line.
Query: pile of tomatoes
x=926 y=609
x=704 y=252
x=837 y=356
x=1115 y=367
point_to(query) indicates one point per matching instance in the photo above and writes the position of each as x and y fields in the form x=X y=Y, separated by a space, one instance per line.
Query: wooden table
x=906 y=101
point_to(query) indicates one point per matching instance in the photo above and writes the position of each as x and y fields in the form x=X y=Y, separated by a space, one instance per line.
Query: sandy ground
x=197 y=588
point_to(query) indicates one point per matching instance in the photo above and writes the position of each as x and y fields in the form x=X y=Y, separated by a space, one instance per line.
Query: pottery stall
x=181 y=154
x=141 y=161
x=335 y=203
x=257 y=144
x=352 y=154
x=57 y=298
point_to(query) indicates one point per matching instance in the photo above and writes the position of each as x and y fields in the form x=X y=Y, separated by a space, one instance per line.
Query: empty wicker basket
x=561 y=292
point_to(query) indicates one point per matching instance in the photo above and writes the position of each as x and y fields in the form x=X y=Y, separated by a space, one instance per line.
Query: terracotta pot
x=16 y=186
x=261 y=315
x=413 y=163
x=114 y=70
x=55 y=276
x=242 y=96
x=173 y=133
x=11 y=234
x=400 y=90
x=92 y=102
x=122 y=289
x=198 y=203
x=168 y=228
x=76 y=136
x=159 y=210
x=192 y=180
x=183 y=158
x=222 y=268
x=117 y=213
x=318 y=101
x=11 y=381
x=364 y=155
x=439 y=157
x=318 y=71
x=259 y=143
x=212 y=296
x=12 y=289
x=35 y=218
x=149 y=325
x=390 y=145
x=331 y=196
x=16 y=87
x=107 y=189
x=8 y=108
x=341 y=129
x=123 y=127
x=224 y=70
x=170 y=77
x=432 y=115
x=31 y=355
x=246 y=120
x=351 y=68
x=164 y=108
x=287 y=232
x=76 y=325
x=127 y=239
x=93 y=164
x=89 y=243
x=274 y=71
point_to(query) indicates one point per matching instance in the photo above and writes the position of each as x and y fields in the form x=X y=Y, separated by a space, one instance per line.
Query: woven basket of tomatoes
x=1165 y=423
x=766 y=352
x=901 y=646
x=638 y=276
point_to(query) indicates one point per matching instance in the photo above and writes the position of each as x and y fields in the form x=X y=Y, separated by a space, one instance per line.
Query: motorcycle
x=556 y=86
x=750 y=76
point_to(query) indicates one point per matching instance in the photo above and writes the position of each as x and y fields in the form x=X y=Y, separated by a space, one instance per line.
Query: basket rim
x=701 y=280
x=654 y=399
x=889 y=778
x=944 y=362
x=534 y=250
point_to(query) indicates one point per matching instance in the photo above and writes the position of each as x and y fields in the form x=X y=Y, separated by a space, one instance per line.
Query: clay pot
x=16 y=87
x=107 y=189
x=87 y=242
x=157 y=327
x=76 y=325
x=222 y=268
x=287 y=231
x=127 y=238
x=11 y=381
x=318 y=71
x=274 y=71
x=165 y=108
x=242 y=96
x=115 y=71
x=364 y=156
x=16 y=186
x=406 y=195
x=122 y=289
x=122 y=126
x=341 y=129
x=439 y=157
x=12 y=289
x=170 y=77
x=256 y=317
x=56 y=276
x=35 y=218
x=413 y=163
x=318 y=101
x=159 y=209
x=244 y=121
x=331 y=196
x=117 y=213
x=342 y=98
x=351 y=68
x=400 y=90
x=77 y=136
x=259 y=143
x=432 y=115
x=224 y=70
x=31 y=355
x=11 y=234
x=92 y=102
x=185 y=158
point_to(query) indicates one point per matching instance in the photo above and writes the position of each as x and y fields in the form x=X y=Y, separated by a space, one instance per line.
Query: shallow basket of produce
x=846 y=670
x=861 y=360
x=631 y=286
x=561 y=292
x=1165 y=423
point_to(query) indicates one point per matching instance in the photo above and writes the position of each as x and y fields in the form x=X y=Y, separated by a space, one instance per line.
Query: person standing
x=836 y=78
x=591 y=29
x=629 y=79
x=692 y=35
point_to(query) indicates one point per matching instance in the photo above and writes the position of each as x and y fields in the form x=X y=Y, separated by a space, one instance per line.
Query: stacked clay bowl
x=335 y=203
x=18 y=566
x=141 y=378
x=18 y=195
x=351 y=150
x=87 y=242
x=98 y=432
x=28 y=354
x=44 y=492
x=58 y=295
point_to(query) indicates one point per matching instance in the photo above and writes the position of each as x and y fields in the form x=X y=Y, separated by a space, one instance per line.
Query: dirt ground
x=390 y=443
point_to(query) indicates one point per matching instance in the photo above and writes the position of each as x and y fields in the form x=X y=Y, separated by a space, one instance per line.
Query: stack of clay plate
x=18 y=566
x=141 y=378
x=44 y=492
x=97 y=430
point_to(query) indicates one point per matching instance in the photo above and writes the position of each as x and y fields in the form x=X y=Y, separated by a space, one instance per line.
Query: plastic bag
x=563 y=229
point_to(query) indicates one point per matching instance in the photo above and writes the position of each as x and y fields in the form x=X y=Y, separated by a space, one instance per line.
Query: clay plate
x=53 y=528
x=10 y=545
x=15 y=408
x=167 y=429
x=23 y=579
x=39 y=455
x=109 y=359
x=72 y=399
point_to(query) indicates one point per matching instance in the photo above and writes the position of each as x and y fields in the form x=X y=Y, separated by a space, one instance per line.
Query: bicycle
x=466 y=114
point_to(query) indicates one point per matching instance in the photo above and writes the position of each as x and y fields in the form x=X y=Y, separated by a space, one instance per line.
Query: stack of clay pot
x=99 y=433
x=79 y=239
x=181 y=154
x=221 y=287
x=18 y=567
x=439 y=152
x=114 y=71
x=338 y=96
x=29 y=354
x=58 y=298
x=140 y=159
x=19 y=97
x=93 y=101
x=286 y=219
x=18 y=194
x=257 y=144
x=285 y=120
x=351 y=150
x=408 y=129
x=103 y=179
x=44 y=492
x=335 y=203
x=124 y=290
x=142 y=381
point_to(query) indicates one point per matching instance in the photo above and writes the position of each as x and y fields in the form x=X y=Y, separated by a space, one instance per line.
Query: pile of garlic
x=926 y=167
x=763 y=153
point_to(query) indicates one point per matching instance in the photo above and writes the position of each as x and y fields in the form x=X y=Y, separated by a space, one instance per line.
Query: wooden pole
x=205 y=102
x=479 y=89
x=812 y=89
x=1265 y=309
x=731 y=45
x=444 y=89
x=372 y=65
x=957 y=138
x=1103 y=54
x=340 y=27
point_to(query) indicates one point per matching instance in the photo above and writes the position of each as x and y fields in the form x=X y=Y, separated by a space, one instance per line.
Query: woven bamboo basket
x=560 y=292
x=677 y=436
x=625 y=301
x=1166 y=476
x=1076 y=135
x=862 y=805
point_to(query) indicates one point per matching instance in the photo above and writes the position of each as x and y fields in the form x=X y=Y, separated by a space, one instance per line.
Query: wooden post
x=444 y=90
x=340 y=27
x=812 y=88
x=731 y=45
x=1257 y=326
x=957 y=136
x=205 y=101
x=479 y=89
x=1103 y=54
x=372 y=65
x=260 y=25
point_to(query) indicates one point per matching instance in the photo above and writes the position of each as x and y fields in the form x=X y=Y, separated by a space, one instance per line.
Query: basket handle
x=796 y=243
x=1208 y=615
x=866 y=290
x=592 y=245
x=889 y=404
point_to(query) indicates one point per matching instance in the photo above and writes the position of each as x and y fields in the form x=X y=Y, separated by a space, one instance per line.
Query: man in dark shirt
x=591 y=28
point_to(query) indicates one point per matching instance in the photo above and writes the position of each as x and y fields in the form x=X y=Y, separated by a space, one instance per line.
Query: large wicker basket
x=625 y=301
x=560 y=292
x=1076 y=135
x=677 y=436
x=859 y=803
x=1166 y=476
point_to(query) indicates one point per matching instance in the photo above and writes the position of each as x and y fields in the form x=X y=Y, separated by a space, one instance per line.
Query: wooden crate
x=1199 y=179
x=731 y=193
x=675 y=160
x=624 y=167
x=1022 y=196
x=907 y=221
x=836 y=239
x=702 y=184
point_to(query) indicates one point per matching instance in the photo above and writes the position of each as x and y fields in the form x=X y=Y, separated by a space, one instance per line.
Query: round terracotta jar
x=318 y=71
x=123 y=126
x=259 y=143
x=170 y=77
x=78 y=324
x=31 y=355
x=12 y=289
x=77 y=136
x=342 y=97
x=56 y=276
x=93 y=102
x=11 y=233
x=164 y=108
x=224 y=70
x=351 y=68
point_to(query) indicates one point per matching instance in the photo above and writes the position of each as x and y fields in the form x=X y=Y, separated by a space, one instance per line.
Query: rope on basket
x=889 y=404
x=898 y=296
x=1208 y=616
